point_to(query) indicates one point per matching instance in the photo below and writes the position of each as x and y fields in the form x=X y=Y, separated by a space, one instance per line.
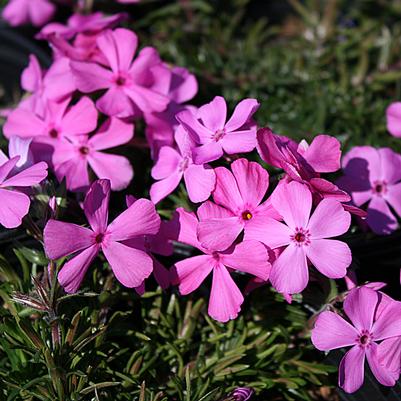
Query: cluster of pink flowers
x=89 y=100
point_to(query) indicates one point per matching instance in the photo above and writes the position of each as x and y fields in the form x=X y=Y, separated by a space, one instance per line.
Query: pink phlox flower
x=55 y=84
x=180 y=86
x=130 y=265
x=393 y=116
x=373 y=178
x=174 y=164
x=304 y=163
x=35 y=12
x=128 y=82
x=17 y=173
x=239 y=206
x=374 y=317
x=304 y=236
x=214 y=135
x=73 y=156
x=159 y=244
x=225 y=297
x=59 y=122
x=81 y=23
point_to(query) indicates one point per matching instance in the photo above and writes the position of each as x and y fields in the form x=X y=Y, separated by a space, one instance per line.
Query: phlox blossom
x=373 y=177
x=127 y=81
x=225 y=297
x=130 y=265
x=215 y=136
x=174 y=164
x=238 y=206
x=374 y=317
x=304 y=236
x=17 y=172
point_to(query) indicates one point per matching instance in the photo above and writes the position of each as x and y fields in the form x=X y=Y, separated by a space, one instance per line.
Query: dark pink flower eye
x=84 y=150
x=99 y=238
x=247 y=215
x=53 y=133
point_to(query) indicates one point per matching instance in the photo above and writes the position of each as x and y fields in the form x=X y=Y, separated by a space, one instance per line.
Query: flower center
x=219 y=134
x=379 y=187
x=99 y=238
x=84 y=150
x=184 y=164
x=53 y=133
x=364 y=339
x=301 y=236
x=120 y=81
x=246 y=215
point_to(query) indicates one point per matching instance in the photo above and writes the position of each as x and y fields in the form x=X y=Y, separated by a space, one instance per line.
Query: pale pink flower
x=174 y=164
x=393 y=115
x=304 y=236
x=72 y=157
x=128 y=82
x=373 y=178
x=238 y=206
x=225 y=297
x=130 y=265
x=18 y=172
x=374 y=317
x=216 y=136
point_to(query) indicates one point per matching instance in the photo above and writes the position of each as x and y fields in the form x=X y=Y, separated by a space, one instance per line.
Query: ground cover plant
x=200 y=200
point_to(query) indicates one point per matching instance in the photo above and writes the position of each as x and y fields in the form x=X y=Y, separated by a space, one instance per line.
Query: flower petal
x=389 y=355
x=73 y=272
x=115 y=102
x=199 y=133
x=252 y=180
x=242 y=114
x=249 y=257
x=192 y=271
x=114 y=132
x=351 y=370
x=139 y=219
x=388 y=323
x=239 y=141
x=226 y=192
x=167 y=163
x=393 y=197
x=14 y=206
x=130 y=266
x=219 y=234
x=380 y=218
x=200 y=181
x=160 y=189
x=96 y=205
x=214 y=114
x=290 y=273
x=360 y=305
x=225 y=297
x=390 y=163
x=329 y=256
x=383 y=376
x=393 y=114
x=207 y=153
x=329 y=220
x=209 y=210
x=331 y=331
x=294 y=202
x=120 y=175
x=30 y=176
x=271 y=232
x=62 y=239
x=90 y=77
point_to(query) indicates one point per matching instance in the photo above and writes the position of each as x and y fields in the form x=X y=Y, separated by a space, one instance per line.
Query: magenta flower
x=180 y=86
x=55 y=84
x=215 y=136
x=129 y=81
x=371 y=322
x=17 y=172
x=373 y=177
x=35 y=12
x=225 y=297
x=71 y=158
x=81 y=23
x=304 y=163
x=389 y=355
x=393 y=116
x=173 y=165
x=304 y=237
x=59 y=121
x=238 y=196
x=130 y=265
